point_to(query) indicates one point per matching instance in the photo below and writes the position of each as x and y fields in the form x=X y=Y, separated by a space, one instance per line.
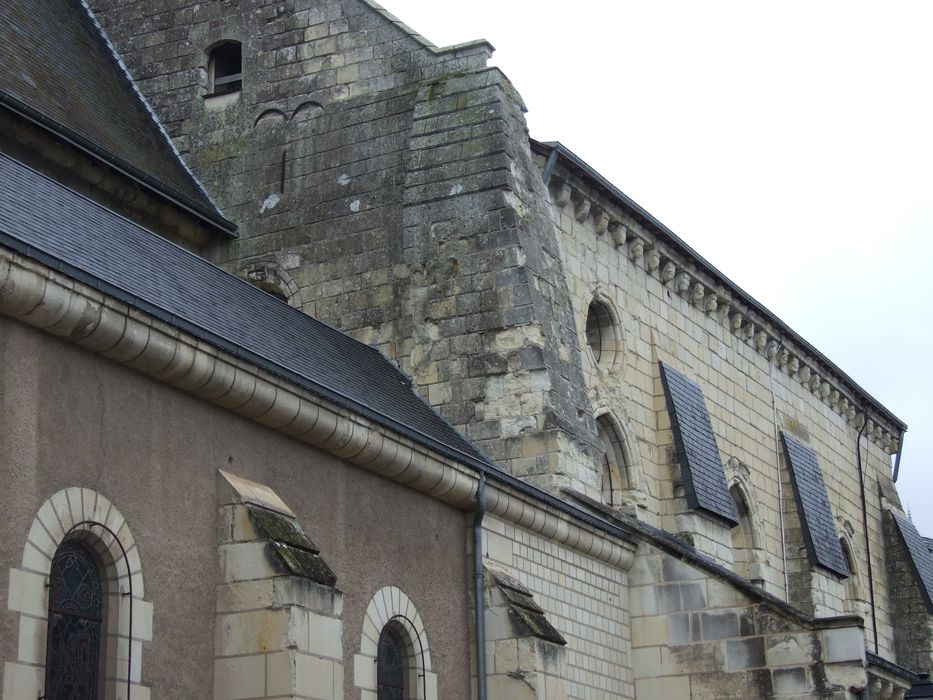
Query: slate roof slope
x=921 y=558
x=816 y=515
x=697 y=451
x=44 y=220
x=56 y=65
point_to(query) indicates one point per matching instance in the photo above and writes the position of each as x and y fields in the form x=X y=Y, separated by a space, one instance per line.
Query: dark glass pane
x=75 y=605
x=390 y=667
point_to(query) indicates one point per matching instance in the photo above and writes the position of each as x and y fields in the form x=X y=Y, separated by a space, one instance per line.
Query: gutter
x=213 y=220
x=548 y=148
x=49 y=300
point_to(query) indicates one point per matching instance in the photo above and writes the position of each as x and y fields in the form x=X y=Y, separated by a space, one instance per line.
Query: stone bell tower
x=384 y=186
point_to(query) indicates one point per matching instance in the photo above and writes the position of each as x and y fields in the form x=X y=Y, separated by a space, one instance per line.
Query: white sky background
x=790 y=144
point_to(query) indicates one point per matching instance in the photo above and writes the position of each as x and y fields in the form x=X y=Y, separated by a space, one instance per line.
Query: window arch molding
x=625 y=470
x=271 y=278
x=88 y=518
x=855 y=601
x=390 y=609
x=603 y=335
x=753 y=559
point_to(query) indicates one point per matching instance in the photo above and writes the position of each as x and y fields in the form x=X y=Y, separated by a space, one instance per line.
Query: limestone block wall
x=756 y=383
x=696 y=636
x=586 y=600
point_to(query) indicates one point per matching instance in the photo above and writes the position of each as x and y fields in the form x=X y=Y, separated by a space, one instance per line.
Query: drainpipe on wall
x=897 y=459
x=861 y=484
x=479 y=590
x=780 y=481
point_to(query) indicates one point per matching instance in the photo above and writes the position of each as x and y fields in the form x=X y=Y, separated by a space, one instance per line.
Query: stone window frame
x=391 y=606
x=230 y=84
x=611 y=350
x=738 y=477
x=633 y=495
x=273 y=279
x=89 y=516
x=855 y=600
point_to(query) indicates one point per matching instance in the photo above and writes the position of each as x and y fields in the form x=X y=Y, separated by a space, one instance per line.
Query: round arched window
x=602 y=333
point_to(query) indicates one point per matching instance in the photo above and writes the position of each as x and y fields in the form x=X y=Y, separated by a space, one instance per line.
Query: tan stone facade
x=273 y=540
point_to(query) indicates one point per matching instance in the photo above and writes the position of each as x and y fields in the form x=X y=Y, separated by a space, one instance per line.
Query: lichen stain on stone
x=456 y=189
x=355 y=205
x=344 y=179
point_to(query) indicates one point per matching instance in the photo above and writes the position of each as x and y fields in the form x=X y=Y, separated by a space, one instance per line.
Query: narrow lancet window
x=390 y=665
x=74 y=627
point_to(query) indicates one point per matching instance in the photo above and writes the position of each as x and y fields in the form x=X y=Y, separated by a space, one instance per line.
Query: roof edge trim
x=480 y=44
x=43 y=295
x=215 y=220
x=549 y=147
x=145 y=102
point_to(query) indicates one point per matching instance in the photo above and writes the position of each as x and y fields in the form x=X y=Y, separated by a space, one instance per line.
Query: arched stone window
x=225 y=68
x=603 y=334
x=394 y=660
x=615 y=465
x=742 y=534
x=271 y=278
x=748 y=554
x=623 y=482
x=855 y=597
x=79 y=593
x=74 y=627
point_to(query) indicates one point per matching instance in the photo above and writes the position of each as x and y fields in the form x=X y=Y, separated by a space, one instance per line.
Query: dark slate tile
x=816 y=516
x=921 y=556
x=55 y=60
x=42 y=219
x=704 y=477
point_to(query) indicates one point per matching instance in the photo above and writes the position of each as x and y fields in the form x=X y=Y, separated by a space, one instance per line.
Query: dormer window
x=225 y=68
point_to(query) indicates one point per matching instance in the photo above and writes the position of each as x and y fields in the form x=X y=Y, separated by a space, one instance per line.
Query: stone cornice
x=660 y=254
x=45 y=299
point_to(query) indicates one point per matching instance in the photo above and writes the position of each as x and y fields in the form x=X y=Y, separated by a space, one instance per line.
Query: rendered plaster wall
x=608 y=256
x=68 y=418
x=586 y=600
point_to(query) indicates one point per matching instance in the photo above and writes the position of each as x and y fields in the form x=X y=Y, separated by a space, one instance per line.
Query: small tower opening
x=225 y=68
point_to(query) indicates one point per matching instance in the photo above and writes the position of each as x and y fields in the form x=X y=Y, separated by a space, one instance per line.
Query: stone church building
x=320 y=379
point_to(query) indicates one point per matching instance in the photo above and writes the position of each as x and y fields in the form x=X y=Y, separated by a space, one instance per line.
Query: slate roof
x=816 y=515
x=697 y=452
x=57 y=67
x=921 y=558
x=44 y=220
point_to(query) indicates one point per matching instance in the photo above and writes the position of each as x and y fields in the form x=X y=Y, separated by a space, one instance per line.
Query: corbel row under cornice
x=689 y=279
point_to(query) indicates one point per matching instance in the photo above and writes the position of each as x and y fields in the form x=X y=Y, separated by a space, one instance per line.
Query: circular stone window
x=602 y=334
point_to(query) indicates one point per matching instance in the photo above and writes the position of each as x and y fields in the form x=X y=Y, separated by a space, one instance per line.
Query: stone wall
x=586 y=600
x=663 y=308
x=696 y=636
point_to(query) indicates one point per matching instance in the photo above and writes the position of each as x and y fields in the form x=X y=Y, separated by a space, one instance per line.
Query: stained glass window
x=390 y=666
x=74 y=633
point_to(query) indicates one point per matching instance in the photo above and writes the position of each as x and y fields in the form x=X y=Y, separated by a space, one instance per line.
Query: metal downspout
x=479 y=589
x=780 y=478
x=897 y=459
x=550 y=165
x=861 y=483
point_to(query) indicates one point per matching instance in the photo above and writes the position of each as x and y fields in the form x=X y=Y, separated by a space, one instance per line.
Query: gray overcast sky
x=790 y=143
